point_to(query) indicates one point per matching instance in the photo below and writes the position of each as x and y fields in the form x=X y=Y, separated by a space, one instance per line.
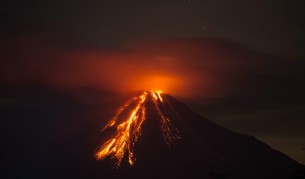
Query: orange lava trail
x=114 y=120
x=170 y=133
x=128 y=131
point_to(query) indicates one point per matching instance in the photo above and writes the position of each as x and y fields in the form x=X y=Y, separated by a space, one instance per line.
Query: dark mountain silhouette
x=205 y=150
x=53 y=138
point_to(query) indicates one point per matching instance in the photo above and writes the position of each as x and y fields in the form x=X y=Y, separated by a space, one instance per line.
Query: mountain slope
x=205 y=150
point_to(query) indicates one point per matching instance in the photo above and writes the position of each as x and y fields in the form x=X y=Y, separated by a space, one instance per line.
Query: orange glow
x=188 y=68
x=164 y=82
x=128 y=131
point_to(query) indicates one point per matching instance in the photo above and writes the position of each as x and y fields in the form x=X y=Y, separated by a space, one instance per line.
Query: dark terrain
x=52 y=137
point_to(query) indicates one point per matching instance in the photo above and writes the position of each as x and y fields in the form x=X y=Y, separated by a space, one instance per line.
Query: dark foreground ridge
x=205 y=150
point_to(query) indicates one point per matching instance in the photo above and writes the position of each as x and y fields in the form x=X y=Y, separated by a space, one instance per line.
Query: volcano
x=198 y=149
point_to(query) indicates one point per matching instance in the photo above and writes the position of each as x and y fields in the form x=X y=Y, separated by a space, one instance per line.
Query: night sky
x=238 y=63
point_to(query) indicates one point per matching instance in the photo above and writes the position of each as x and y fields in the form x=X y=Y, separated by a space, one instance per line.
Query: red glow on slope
x=128 y=131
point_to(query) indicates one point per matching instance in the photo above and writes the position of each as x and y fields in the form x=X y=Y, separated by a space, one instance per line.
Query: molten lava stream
x=128 y=131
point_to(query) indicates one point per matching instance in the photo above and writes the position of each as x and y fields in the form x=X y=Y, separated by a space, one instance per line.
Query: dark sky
x=246 y=57
x=270 y=26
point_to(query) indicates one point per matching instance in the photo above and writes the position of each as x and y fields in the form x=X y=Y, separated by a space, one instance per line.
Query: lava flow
x=128 y=130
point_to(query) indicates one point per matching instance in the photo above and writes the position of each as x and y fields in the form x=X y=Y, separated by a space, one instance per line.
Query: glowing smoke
x=187 y=68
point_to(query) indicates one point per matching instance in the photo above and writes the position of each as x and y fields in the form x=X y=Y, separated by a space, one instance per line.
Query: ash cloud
x=215 y=71
x=184 y=67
